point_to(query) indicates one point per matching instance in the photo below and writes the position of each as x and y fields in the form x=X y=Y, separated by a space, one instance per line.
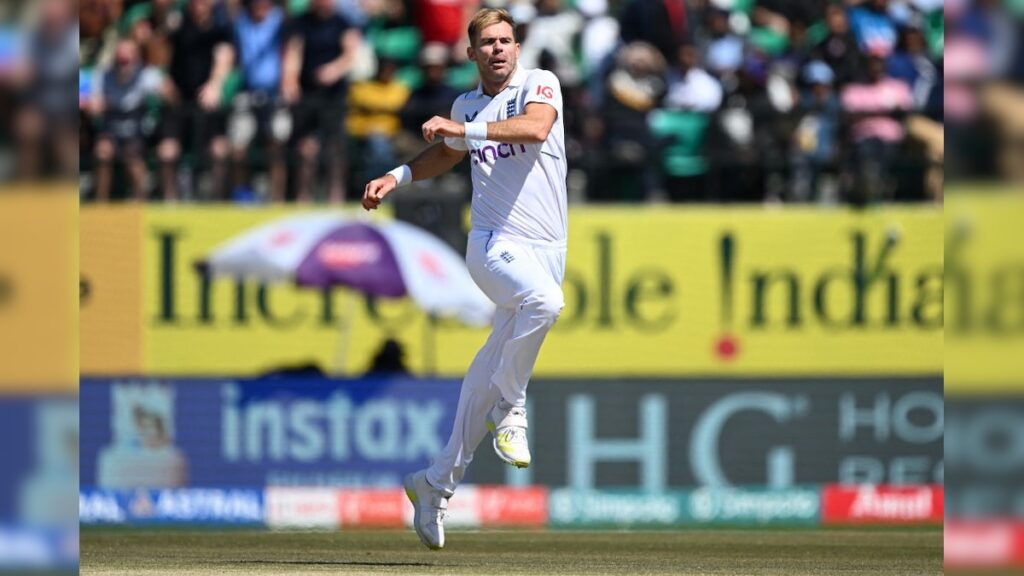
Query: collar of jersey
x=518 y=77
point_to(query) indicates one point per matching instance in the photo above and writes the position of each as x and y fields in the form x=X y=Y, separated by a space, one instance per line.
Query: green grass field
x=498 y=553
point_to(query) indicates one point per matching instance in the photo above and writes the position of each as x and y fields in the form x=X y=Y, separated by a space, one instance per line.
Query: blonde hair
x=488 y=17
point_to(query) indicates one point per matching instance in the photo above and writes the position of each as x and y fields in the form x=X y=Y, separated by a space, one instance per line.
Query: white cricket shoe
x=509 y=430
x=430 y=505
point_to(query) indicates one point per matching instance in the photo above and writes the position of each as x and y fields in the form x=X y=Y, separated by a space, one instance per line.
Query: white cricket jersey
x=518 y=189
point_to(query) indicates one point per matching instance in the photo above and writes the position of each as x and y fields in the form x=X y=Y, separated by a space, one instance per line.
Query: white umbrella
x=388 y=259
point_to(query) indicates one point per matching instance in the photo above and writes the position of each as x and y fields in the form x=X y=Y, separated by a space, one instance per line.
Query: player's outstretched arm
x=429 y=163
x=532 y=127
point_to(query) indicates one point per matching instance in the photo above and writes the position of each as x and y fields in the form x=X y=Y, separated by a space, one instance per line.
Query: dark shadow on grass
x=335 y=563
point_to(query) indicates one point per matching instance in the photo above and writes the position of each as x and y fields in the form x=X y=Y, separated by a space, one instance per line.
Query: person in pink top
x=875 y=109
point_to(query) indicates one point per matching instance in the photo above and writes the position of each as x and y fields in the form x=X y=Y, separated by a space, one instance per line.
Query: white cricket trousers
x=524 y=280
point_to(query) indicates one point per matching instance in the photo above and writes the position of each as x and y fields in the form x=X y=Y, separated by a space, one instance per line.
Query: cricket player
x=511 y=127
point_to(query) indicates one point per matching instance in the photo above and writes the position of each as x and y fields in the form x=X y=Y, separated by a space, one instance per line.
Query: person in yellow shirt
x=374 y=118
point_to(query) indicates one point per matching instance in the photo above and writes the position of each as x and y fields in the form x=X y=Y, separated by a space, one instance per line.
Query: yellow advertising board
x=659 y=291
x=749 y=291
x=38 y=290
x=110 y=304
x=984 y=341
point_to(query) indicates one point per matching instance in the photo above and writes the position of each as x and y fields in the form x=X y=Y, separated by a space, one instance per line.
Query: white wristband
x=403 y=174
x=476 y=130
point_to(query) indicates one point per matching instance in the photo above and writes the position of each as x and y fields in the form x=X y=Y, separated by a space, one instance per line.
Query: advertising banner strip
x=983 y=543
x=882 y=504
x=801 y=505
x=303 y=507
x=726 y=506
x=310 y=507
x=172 y=506
x=276 y=431
x=475 y=507
x=369 y=508
x=538 y=506
x=698 y=292
x=643 y=434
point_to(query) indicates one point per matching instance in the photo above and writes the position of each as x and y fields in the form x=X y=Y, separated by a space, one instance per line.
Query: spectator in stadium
x=692 y=96
x=873 y=28
x=433 y=97
x=151 y=25
x=740 y=135
x=445 y=21
x=319 y=55
x=97 y=29
x=374 y=118
x=661 y=23
x=46 y=125
x=119 y=105
x=815 y=144
x=723 y=49
x=839 y=47
x=634 y=87
x=782 y=15
x=911 y=63
x=202 y=58
x=598 y=41
x=690 y=87
x=259 y=37
x=552 y=33
x=875 y=108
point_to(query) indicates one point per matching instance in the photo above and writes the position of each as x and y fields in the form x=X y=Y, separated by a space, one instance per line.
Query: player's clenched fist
x=440 y=126
x=377 y=189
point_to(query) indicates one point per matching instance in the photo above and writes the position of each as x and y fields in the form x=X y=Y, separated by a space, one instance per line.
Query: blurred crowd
x=678 y=100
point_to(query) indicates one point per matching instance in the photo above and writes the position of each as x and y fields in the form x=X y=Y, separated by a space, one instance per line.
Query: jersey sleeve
x=456 y=143
x=543 y=86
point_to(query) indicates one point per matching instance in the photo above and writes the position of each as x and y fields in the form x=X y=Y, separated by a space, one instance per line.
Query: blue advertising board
x=32 y=549
x=40 y=451
x=282 y=431
x=172 y=506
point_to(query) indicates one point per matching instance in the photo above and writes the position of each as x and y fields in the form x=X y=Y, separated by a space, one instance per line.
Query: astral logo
x=500 y=151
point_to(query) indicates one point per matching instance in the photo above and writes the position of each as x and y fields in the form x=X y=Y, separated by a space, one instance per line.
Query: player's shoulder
x=465 y=100
x=540 y=75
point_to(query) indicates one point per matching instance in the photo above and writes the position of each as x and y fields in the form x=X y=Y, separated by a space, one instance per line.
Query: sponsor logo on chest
x=492 y=152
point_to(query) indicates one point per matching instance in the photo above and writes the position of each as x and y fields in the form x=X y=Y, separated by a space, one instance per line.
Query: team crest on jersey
x=510 y=108
x=471 y=117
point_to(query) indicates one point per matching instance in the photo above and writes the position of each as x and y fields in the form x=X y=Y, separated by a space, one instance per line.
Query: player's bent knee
x=547 y=305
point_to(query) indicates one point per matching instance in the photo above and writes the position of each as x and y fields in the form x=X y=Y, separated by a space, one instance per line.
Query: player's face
x=496 y=52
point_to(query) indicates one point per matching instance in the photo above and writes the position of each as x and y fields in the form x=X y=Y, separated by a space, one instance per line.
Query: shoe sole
x=410 y=493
